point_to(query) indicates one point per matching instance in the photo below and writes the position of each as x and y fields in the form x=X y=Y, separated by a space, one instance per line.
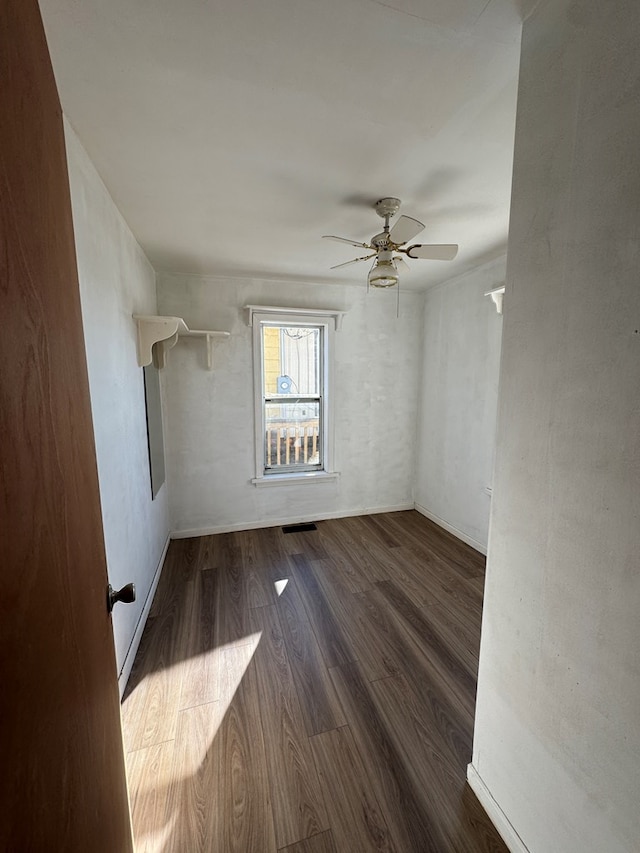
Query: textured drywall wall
x=210 y=431
x=456 y=428
x=116 y=280
x=557 y=739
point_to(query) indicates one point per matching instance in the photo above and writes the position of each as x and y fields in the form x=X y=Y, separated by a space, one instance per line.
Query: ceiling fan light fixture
x=383 y=274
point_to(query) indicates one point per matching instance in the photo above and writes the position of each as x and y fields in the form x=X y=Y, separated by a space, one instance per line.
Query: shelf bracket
x=209 y=353
x=152 y=331
x=497 y=295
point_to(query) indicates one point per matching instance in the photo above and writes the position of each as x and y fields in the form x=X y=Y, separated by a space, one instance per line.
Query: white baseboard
x=279 y=522
x=127 y=666
x=494 y=812
x=451 y=529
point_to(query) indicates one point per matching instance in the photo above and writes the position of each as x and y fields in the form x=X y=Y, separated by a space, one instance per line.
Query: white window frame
x=326 y=321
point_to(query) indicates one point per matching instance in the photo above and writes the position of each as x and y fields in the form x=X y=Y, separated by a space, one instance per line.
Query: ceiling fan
x=388 y=247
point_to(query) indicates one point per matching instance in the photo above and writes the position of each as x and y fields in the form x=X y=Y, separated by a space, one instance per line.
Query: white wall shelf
x=157 y=335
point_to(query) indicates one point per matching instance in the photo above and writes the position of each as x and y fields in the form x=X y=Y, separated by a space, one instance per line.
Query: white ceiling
x=232 y=134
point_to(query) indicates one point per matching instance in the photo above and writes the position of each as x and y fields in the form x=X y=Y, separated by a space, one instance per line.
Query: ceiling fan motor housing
x=381 y=240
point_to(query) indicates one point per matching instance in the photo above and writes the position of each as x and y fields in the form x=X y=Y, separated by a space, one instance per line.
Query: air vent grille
x=299 y=528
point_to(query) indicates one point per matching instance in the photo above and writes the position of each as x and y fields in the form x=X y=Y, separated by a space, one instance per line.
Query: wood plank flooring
x=310 y=693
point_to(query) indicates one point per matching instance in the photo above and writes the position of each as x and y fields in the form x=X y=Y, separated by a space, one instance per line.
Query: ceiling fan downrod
x=384 y=272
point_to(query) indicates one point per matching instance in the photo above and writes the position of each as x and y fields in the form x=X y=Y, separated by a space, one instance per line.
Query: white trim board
x=495 y=814
x=336 y=314
x=279 y=522
x=127 y=666
x=451 y=529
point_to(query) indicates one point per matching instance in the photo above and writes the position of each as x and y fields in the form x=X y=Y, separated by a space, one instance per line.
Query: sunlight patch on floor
x=280 y=585
x=159 y=774
x=155 y=840
x=231 y=662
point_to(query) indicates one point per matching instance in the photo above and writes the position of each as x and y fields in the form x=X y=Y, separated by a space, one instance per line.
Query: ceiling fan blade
x=404 y=230
x=354 y=261
x=401 y=264
x=435 y=252
x=346 y=240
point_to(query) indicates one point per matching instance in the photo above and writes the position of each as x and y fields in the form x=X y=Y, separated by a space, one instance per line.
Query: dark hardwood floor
x=310 y=693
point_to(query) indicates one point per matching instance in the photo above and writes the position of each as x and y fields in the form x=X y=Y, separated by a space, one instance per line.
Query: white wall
x=557 y=736
x=210 y=432
x=456 y=430
x=116 y=280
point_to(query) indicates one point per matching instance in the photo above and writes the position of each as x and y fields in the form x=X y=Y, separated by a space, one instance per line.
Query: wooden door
x=62 y=775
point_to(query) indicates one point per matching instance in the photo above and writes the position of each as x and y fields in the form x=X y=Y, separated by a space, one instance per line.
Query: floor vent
x=299 y=528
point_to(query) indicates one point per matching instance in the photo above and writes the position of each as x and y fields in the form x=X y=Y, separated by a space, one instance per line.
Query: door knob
x=126 y=595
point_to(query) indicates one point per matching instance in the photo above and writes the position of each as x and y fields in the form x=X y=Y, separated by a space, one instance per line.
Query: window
x=291 y=362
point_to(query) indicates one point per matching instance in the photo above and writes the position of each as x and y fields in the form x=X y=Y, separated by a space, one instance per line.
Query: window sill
x=295 y=479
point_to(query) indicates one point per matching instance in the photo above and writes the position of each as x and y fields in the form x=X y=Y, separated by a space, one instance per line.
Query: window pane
x=291 y=360
x=292 y=434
